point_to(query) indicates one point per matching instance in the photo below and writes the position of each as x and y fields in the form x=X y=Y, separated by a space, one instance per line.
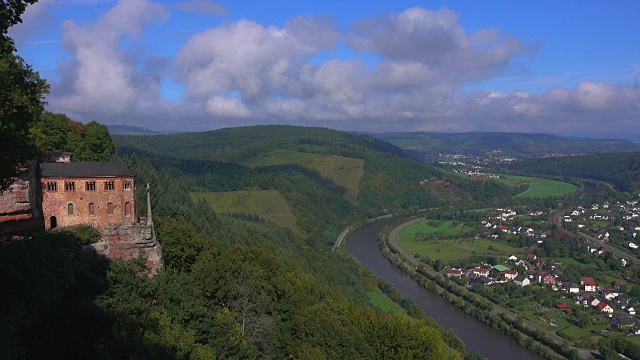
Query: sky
x=569 y=68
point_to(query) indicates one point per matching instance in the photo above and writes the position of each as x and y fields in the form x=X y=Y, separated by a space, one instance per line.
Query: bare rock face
x=127 y=241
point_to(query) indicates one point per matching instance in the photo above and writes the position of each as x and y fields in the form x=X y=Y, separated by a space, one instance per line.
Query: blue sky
x=570 y=68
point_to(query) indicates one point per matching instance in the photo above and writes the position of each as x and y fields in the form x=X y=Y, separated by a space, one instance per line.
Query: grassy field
x=268 y=205
x=342 y=171
x=574 y=333
x=410 y=239
x=452 y=249
x=380 y=300
x=435 y=227
x=538 y=187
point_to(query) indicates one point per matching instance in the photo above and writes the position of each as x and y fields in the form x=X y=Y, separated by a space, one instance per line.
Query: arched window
x=92 y=209
x=71 y=210
x=127 y=209
x=110 y=209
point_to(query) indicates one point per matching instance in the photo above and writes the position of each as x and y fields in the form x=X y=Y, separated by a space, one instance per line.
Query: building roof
x=500 y=268
x=84 y=169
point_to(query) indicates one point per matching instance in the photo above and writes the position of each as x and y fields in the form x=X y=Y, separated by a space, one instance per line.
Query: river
x=362 y=244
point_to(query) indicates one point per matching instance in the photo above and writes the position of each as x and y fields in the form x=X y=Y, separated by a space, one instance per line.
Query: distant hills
x=425 y=145
x=135 y=130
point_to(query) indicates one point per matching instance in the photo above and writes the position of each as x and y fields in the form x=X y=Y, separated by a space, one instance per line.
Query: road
x=555 y=218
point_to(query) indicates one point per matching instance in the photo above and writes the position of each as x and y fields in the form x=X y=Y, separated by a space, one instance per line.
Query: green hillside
x=343 y=171
x=426 y=145
x=622 y=170
x=328 y=178
x=268 y=205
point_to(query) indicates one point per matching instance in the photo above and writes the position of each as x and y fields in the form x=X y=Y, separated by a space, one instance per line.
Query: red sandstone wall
x=55 y=203
x=19 y=204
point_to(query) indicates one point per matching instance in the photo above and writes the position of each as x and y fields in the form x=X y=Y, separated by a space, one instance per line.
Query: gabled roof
x=84 y=170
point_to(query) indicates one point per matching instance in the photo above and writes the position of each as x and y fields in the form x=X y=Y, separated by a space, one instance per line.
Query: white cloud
x=243 y=72
x=227 y=108
x=103 y=78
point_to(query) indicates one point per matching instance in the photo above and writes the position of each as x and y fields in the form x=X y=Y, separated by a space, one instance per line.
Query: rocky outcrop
x=127 y=241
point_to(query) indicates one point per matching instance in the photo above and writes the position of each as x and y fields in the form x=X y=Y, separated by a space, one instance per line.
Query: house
x=549 y=280
x=584 y=299
x=531 y=257
x=604 y=307
x=521 y=281
x=610 y=294
x=511 y=274
x=513 y=258
x=454 y=273
x=588 y=283
x=478 y=271
x=621 y=302
x=572 y=288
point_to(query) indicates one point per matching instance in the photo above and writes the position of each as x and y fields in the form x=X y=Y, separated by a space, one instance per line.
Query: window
x=91 y=186
x=110 y=208
x=126 y=185
x=71 y=211
x=109 y=185
x=92 y=209
x=52 y=186
x=69 y=186
x=127 y=209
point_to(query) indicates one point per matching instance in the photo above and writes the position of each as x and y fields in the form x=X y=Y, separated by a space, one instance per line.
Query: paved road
x=340 y=238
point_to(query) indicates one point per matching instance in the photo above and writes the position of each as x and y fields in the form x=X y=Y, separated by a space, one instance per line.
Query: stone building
x=93 y=193
x=63 y=194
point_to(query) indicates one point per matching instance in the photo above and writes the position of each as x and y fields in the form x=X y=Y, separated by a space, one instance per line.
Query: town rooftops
x=84 y=170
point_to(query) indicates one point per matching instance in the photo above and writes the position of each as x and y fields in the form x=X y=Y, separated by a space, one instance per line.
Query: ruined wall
x=63 y=206
x=20 y=204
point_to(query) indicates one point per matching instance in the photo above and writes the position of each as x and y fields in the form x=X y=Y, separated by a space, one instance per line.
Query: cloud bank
x=392 y=72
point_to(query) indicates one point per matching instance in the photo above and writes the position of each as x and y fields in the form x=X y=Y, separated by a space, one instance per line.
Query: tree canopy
x=22 y=93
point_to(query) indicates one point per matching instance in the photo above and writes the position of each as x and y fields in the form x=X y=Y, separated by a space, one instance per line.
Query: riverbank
x=362 y=244
x=548 y=345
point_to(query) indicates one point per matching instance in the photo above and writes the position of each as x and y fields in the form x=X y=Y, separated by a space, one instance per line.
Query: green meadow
x=342 y=171
x=268 y=205
x=383 y=302
x=538 y=187
x=411 y=239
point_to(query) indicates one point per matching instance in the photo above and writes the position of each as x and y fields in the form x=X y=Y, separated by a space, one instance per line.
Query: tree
x=22 y=94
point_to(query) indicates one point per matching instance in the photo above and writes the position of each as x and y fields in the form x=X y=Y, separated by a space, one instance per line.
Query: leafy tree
x=21 y=97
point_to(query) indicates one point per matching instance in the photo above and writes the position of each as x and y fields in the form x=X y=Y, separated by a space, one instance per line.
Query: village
x=576 y=293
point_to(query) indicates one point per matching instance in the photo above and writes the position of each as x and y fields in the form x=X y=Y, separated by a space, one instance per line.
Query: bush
x=86 y=234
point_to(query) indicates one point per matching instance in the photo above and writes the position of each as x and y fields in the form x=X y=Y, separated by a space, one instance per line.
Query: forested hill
x=430 y=144
x=369 y=177
x=619 y=169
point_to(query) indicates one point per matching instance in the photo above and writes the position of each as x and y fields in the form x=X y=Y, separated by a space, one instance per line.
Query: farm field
x=538 y=187
x=268 y=205
x=449 y=249
x=342 y=171
x=384 y=303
